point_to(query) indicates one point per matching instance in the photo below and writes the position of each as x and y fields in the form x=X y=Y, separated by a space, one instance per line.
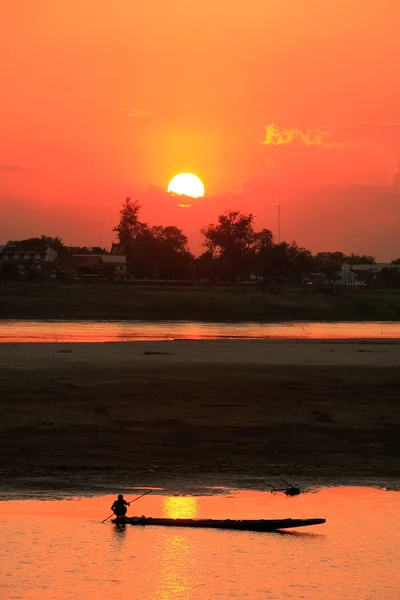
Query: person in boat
x=119 y=507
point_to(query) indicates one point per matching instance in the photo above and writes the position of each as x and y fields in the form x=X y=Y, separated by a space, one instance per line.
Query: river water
x=59 y=550
x=127 y=331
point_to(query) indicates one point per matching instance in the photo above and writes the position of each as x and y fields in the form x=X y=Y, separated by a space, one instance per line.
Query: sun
x=186 y=184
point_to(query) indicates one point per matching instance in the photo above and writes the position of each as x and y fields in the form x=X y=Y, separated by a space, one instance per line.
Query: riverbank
x=183 y=415
x=204 y=304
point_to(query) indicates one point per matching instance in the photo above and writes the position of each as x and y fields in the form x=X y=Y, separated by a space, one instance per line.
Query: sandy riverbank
x=196 y=352
x=187 y=414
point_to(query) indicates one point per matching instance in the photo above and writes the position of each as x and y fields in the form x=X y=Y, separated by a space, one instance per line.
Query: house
x=355 y=274
x=98 y=266
x=116 y=248
x=22 y=260
x=21 y=253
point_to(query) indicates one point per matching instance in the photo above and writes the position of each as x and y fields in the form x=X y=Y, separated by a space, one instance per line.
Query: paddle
x=134 y=500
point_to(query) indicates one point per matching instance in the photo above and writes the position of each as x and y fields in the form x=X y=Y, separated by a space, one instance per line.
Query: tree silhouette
x=55 y=243
x=129 y=225
x=173 y=255
x=360 y=259
x=329 y=263
x=39 y=244
x=152 y=252
x=232 y=241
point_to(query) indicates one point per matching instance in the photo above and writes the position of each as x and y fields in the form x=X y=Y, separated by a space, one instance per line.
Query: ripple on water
x=60 y=550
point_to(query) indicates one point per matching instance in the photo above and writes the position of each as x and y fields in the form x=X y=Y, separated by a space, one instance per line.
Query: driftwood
x=289 y=490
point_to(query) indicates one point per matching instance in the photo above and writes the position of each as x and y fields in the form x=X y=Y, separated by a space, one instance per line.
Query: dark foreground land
x=238 y=303
x=84 y=426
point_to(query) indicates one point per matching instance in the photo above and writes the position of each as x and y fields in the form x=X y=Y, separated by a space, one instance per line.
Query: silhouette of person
x=119 y=507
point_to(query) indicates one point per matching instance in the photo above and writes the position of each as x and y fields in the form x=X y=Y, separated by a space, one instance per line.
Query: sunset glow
x=292 y=98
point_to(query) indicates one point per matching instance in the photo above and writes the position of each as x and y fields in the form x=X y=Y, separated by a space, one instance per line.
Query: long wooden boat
x=242 y=525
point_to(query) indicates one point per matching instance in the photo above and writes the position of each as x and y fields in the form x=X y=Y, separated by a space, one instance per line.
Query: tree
x=360 y=259
x=260 y=254
x=129 y=225
x=329 y=263
x=396 y=261
x=130 y=231
x=285 y=261
x=55 y=243
x=39 y=245
x=264 y=241
x=234 y=232
x=171 y=255
x=152 y=252
x=232 y=242
x=302 y=262
x=389 y=277
x=206 y=267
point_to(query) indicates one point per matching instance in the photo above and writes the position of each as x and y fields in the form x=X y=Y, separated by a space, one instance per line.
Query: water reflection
x=177 y=575
x=126 y=331
x=119 y=532
x=59 y=550
x=177 y=556
x=180 y=507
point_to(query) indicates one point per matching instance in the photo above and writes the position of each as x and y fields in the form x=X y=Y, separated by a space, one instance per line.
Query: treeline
x=234 y=251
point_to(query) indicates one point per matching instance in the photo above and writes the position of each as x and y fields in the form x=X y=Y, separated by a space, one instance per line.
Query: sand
x=184 y=415
x=196 y=352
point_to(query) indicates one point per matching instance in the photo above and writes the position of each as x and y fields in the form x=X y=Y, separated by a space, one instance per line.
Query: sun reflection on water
x=180 y=507
x=177 y=569
x=177 y=574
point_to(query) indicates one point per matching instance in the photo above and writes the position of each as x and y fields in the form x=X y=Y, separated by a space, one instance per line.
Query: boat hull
x=241 y=525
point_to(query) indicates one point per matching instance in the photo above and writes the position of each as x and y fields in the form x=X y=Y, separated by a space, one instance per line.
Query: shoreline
x=238 y=303
x=9 y=494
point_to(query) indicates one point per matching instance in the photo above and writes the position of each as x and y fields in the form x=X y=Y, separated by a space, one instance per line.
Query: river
x=59 y=550
x=128 y=331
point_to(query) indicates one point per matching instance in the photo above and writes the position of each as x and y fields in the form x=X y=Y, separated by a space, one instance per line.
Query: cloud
x=137 y=112
x=275 y=136
x=334 y=137
x=356 y=154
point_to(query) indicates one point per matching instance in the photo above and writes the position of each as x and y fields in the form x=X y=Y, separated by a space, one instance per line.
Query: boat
x=234 y=524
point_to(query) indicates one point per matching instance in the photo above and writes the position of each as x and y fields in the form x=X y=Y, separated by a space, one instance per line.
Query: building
x=98 y=266
x=14 y=252
x=116 y=248
x=355 y=274
x=26 y=262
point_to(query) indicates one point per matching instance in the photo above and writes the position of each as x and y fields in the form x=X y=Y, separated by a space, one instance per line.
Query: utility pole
x=279 y=219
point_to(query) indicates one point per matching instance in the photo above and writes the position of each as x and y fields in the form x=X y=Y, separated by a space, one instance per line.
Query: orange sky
x=101 y=100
